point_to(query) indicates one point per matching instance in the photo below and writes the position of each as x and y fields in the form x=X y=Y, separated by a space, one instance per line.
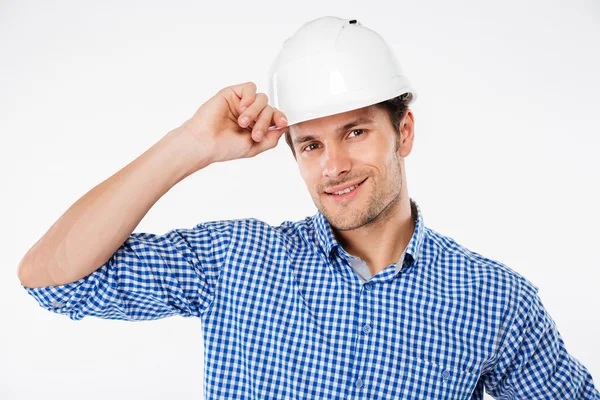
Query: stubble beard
x=377 y=209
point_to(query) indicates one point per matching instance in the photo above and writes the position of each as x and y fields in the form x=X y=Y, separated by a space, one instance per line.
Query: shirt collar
x=328 y=242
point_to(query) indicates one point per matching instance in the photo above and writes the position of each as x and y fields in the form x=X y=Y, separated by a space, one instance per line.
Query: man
x=361 y=300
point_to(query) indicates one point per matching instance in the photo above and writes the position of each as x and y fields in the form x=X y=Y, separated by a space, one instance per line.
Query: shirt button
x=446 y=374
x=367 y=328
x=359 y=383
x=57 y=304
x=369 y=285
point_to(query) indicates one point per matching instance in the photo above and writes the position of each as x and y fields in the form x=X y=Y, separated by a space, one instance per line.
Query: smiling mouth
x=347 y=190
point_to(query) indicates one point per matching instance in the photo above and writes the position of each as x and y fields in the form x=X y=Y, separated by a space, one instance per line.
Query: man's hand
x=218 y=130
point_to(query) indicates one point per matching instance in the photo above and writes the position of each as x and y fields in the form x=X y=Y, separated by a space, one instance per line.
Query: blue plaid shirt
x=286 y=314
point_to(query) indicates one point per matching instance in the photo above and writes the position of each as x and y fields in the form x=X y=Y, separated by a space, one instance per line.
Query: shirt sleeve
x=533 y=362
x=148 y=277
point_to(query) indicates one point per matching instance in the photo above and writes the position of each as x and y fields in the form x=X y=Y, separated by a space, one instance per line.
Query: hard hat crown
x=332 y=65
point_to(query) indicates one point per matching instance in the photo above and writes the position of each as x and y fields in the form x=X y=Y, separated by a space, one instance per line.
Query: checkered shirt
x=287 y=313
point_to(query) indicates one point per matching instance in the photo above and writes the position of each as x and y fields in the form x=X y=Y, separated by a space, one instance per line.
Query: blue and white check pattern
x=285 y=316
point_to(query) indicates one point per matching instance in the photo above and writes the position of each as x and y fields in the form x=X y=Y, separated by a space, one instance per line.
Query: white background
x=505 y=159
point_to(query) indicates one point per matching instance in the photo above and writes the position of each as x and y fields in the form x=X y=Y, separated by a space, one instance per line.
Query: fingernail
x=259 y=135
x=244 y=120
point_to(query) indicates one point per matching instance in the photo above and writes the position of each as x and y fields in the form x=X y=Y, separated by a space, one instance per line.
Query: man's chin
x=343 y=220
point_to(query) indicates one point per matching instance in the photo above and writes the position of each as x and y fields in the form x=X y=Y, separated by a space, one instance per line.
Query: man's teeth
x=351 y=188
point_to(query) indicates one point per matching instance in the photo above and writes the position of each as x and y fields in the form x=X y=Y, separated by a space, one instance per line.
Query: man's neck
x=381 y=242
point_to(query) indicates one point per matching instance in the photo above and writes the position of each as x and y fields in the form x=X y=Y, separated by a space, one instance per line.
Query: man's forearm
x=97 y=224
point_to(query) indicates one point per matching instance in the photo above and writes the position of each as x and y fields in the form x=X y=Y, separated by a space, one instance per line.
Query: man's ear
x=406 y=134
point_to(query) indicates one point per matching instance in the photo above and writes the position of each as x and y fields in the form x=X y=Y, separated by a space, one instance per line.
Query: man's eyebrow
x=341 y=129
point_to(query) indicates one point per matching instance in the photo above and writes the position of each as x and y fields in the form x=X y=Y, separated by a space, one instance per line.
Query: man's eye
x=307 y=148
x=312 y=144
x=358 y=130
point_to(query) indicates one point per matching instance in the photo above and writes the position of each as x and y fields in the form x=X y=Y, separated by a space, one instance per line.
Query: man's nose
x=335 y=161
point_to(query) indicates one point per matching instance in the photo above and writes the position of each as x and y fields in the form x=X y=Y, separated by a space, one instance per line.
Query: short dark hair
x=395 y=109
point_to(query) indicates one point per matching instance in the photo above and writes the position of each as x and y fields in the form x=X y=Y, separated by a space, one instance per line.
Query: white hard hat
x=333 y=65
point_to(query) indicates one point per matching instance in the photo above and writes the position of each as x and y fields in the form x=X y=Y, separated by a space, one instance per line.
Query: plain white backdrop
x=505 y=160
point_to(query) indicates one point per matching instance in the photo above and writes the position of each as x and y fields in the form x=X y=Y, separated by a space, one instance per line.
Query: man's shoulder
x=478 y=267
x=266 y=232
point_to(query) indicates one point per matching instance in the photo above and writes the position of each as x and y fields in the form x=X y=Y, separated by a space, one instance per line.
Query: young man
x=361 y=300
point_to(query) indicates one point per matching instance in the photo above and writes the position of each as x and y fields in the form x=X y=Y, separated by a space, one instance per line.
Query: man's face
x=331 y=156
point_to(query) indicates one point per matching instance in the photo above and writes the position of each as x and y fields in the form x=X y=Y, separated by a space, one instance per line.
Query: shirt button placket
x=366 y=329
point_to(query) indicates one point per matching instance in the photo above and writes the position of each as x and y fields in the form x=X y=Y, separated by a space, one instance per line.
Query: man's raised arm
x=97 y=224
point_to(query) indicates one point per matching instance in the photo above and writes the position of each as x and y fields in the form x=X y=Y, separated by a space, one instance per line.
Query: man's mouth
x=347 y=190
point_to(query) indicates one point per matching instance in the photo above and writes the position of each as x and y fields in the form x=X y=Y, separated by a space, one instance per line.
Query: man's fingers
x=262 y=123
x=253 y=107
x=279 y=118
x=269 y=141
x=253 y=110
x=246 y=92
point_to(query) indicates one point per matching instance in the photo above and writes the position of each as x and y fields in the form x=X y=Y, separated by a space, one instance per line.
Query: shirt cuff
x=58 y=299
